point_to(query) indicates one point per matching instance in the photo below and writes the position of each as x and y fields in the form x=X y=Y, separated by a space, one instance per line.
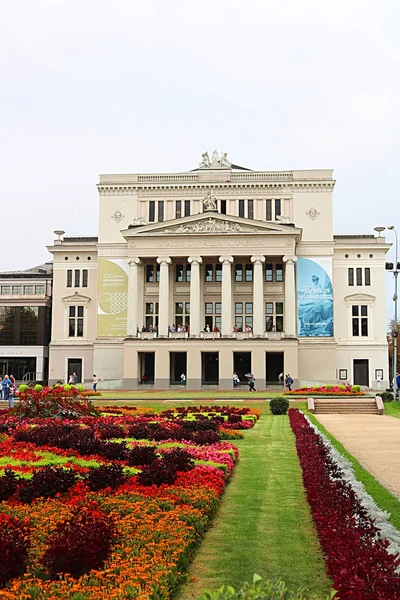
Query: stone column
x=163 y=296
x=226 y=294
x=290 y=317
x=133 y=297
x=258 y=295
x=195 y=295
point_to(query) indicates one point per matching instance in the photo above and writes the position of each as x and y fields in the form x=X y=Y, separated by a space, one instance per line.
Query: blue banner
x=314 y=297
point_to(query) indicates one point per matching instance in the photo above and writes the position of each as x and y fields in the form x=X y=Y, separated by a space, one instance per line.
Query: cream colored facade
x=152 y=266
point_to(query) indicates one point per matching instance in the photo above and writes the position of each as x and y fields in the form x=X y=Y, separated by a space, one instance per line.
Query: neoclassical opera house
x=216 y=270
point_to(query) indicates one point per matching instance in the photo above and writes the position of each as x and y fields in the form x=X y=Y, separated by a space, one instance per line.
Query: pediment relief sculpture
x=209 y=226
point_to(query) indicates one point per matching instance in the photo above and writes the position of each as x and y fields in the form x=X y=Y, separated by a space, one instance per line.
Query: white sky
x=92 y=86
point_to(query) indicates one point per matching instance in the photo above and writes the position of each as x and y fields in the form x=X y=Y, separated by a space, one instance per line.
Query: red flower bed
x=358 y=562
x=323 y=390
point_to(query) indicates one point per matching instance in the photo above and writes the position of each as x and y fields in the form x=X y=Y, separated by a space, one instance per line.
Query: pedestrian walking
x=235 y=379
x=183 y=379
x=5 y=384
x=95 y=382
x=252 y=382
x=288 y=382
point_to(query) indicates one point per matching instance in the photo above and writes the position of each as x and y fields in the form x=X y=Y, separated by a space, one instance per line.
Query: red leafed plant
x=14 y=546
x=54 y=402
x=357 y=560
x=81 y=543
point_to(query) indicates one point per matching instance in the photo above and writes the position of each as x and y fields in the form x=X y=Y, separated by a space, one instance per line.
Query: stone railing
x=274 y=335
x=147 y=335
x=210 y=335
x=242 y=335
x=178 y=334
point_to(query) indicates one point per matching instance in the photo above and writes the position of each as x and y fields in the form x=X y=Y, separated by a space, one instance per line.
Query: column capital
x=164 y=260
x=134 y=262
x=290 y=259
x=226 y=259
x=194 y=259
x=257 y=259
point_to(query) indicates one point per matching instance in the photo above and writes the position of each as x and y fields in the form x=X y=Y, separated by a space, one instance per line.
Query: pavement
x=374 y=440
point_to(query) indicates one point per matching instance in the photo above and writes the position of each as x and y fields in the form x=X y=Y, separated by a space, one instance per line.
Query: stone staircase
x=362 y=406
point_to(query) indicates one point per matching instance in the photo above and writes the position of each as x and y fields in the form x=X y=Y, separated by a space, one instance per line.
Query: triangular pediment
x=359 y=297
x=76 y=298
x=210 y=222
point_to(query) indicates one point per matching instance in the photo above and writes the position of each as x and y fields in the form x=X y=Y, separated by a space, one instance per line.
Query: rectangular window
x=152 y=211
x=149 y=273
x=39 y=290
x=249 y=272
x=274 y=316
x=209 y=308
x=28 y=289
x=149 y=308
x=238 y=272
x=160 y=210
x=157 y=273
x=241 y=208
x=218 y=272
x=277 y=208
x=269 y=308
x=69 y=278
x=239 y=322
x=268 y=211
x=17 y=289
x=268 y=272
x=188 y=273
x=239 y=308
x=179 y=308
x=359 y=275
x=5 y=289
x=218 y=308
x=178 y=209
x=279 y=272
x=187 y=308
x=187 y=208
x=223 y=207
x=367 y=276
x=250 y=212
x=75 y=324
x=209 y=273
x=350 y=276
x=248 y=308
x=360 y=320
x=356 y=327
x=84 y=278
x=179 y=273
x=77 y=278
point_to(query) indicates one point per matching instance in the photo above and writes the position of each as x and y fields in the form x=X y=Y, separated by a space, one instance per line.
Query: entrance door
x=361 y=372
x=75 y=366
x=273 y=367
x=177 y=366
x=209 y=368
x=242 y=365
x=146 y=367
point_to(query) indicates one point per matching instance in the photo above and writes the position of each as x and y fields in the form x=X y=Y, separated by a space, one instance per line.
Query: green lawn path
x=264 y=524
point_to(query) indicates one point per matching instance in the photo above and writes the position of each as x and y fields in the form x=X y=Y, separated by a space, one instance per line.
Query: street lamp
x=393 y=268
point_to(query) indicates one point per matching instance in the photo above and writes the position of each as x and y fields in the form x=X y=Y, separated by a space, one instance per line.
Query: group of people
x=179 y=328
x=8 y=389
x=250 y=380
x=73 y=380
x=286 y=380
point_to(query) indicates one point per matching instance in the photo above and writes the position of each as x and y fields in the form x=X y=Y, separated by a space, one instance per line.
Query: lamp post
x=393 y=268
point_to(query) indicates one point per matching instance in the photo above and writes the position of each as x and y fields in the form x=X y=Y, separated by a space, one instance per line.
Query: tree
x=390 y=339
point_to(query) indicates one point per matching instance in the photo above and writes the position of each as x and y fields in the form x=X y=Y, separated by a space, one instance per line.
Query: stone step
x=354 y=407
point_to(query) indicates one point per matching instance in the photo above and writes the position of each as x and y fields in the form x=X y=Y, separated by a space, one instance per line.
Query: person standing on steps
x=235 y=379
x=183 y=379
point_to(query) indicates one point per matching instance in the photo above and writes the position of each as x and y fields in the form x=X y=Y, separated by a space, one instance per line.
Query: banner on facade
x=112 y=305
x=314 y=297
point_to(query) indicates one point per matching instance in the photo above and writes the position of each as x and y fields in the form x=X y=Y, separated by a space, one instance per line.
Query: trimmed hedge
x=279 y=406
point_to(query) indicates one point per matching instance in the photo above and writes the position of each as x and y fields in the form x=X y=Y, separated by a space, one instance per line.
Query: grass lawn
x=264 y=524
x=180 y=394
x=384 y=499
x=392 y=409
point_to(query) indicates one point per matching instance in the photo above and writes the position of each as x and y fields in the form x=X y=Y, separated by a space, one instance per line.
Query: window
x=249 y=272
x=178 y=209
x=182 y=314
x=244 y=316
x=151 y=316
x=360 y=320
x=69 y=278
x=250 y=205
x=274 y=272
x=182 y=273
x=359 y=275
x=367 y=276
x=343 y=374
x=274 y=316
x=152 y=211
x=18 y=289
x=39 y=289
x=75 y=325
x=209 y=273
x=279 y=272
x=213 y=319
x=218 y=272
x=161 y=210
x=188 y=273
x=187 y=208
x=277 y=208
x=350 y=276
x=84 y=278
x=19 y=325
x=77 y=278
x=238 y=272
x=149 y=273
x=268 y=212
x=29 y=289
x=223 y=207
x=241 y=208
x=5 y=289
x=269 y=272
x=179 y=273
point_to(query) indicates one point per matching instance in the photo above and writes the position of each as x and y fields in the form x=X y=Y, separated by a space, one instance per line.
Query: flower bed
x=361 y=560
x=327 y=390
x=91 y=509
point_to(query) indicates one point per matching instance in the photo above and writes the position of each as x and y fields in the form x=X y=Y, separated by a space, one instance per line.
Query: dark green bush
x=386 y=396
x=279 y=406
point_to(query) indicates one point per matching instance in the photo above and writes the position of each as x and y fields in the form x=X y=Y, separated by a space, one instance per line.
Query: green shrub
x=38 y=387
x=328 y=387
x=279 y=406
x=355 y=388
x=386 y=396
x=67 y=387
x=342 y=387
x=81 y=388
x=259 y=589
x=23 y=387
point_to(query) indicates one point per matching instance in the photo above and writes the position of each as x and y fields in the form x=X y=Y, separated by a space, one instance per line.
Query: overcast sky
x=98 y=86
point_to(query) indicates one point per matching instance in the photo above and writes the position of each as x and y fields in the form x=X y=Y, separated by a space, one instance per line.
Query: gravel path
x=374 y=440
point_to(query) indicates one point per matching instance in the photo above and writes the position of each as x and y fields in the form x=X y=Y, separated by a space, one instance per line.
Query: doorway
x=146 y=367
x=177 y=366
x=361 y=371
x=242 y=365
x=74 y=366
x=209 y=368
x=273 y=367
